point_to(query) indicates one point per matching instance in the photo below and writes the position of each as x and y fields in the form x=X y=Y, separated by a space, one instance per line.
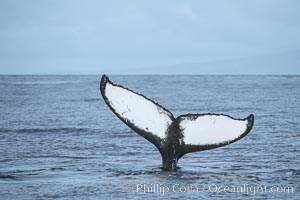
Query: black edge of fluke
x=156 y=141
x=193 y=148
x=104 y=80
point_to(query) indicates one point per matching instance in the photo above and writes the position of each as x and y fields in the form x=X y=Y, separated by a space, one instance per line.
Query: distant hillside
x=287 y=63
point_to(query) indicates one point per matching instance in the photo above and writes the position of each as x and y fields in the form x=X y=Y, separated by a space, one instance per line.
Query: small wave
x=84 y=100
x=128 y=173
x=296 y=172
x=2 y=176
x=17 y=174
x=91 y=100
x=57 y=169
x=6 y=160
x=288 y=171
x=59 y=156
x=40 y=82
x=21 y=174
x=121 y=172
x=31 y=171
x=47 y=130
x=253 y=177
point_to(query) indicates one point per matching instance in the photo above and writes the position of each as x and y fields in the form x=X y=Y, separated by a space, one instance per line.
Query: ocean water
x=58 y=139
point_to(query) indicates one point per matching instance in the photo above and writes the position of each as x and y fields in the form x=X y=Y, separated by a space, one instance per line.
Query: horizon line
x=112 y=74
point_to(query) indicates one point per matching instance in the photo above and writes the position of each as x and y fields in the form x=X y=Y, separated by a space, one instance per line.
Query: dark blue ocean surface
x=58 y=139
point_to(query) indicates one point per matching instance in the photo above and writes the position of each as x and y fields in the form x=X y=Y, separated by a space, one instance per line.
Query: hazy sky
x=92 y=37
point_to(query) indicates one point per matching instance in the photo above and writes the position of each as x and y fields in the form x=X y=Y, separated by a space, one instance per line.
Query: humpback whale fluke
x=173 y=137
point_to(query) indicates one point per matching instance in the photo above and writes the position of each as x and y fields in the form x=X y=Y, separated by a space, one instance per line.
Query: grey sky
x=91 y=37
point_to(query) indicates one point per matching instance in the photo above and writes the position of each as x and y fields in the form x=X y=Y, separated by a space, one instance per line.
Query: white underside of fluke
x=211 y=129
x=173 y=137
x=142 y=114
x=138 y=110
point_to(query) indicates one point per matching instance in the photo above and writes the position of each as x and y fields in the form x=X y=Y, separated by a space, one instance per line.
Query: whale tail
x=173 y=137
